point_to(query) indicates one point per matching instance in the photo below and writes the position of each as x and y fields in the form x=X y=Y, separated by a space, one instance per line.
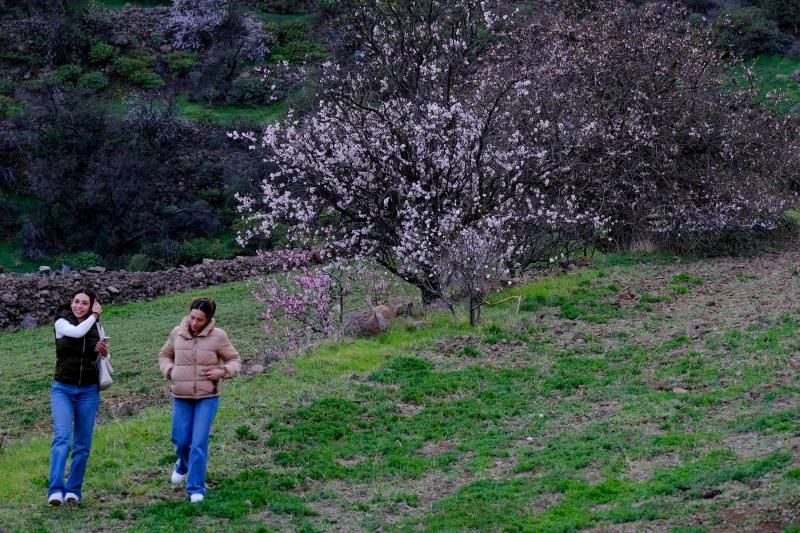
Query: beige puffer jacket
x=184 y=358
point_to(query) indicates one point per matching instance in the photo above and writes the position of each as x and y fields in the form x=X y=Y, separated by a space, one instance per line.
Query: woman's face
x=81 y=305
x=197 y=321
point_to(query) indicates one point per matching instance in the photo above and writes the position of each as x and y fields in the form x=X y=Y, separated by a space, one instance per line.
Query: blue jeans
x=191 y=425
x=74 y=411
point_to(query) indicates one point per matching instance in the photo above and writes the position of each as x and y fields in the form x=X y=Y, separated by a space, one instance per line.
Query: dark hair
x=81 y=290
x=206 y=305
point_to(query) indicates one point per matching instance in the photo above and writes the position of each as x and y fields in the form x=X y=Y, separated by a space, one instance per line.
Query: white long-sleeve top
x=65 y=329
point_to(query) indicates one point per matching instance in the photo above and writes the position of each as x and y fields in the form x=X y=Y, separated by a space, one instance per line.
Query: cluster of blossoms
x=309 y=303
x=305 y=305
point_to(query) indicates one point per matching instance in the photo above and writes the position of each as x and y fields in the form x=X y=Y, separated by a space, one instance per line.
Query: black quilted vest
x=76 y=360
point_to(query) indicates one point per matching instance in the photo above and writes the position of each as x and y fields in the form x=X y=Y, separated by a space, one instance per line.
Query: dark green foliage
x=244 y=432
x=80 y=260
x=93 y=82
x=748 y=32
x=785 y=12
x=7 y=87
x=101 y=53
x=294 y=42
x=10 y=108
x=65 y=74
x=137 y=70
x=252 y=90
x=180 y=62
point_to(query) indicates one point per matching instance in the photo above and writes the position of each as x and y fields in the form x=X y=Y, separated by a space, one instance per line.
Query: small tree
x=474 y=261
x=307 y=306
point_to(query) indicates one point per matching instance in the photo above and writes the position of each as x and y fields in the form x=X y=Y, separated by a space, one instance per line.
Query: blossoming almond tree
x=415 y=144
x=447 y=121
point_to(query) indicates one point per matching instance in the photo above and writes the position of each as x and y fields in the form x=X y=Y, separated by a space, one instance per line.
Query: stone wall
x=31 y=300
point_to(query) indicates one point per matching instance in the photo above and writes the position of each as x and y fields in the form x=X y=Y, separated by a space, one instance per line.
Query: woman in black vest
x=74 y=395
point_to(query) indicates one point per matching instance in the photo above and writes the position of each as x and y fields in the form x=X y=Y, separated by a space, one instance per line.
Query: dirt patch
x=749 y=446
x=432 y=449
x=119 y=407
x=643 y=469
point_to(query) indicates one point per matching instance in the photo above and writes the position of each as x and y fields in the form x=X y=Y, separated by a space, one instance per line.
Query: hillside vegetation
x=113 y=110
x=646 y=392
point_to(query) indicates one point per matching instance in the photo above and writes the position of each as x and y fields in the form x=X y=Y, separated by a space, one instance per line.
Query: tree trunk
x=474 y=311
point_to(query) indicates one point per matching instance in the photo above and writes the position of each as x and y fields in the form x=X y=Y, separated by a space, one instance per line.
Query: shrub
x=785 y=12
x=65 y=73
x=195 y=250
x=93 y=82
x=10 y=108
x=138 y=263
x=748 y=32
x=7 y=87
x=101 y=52
x=293 y=43
x=81 y=260
x=137 y=71
x=147 y=80
x=181 y=62
x=252 y=90
x=307 y=308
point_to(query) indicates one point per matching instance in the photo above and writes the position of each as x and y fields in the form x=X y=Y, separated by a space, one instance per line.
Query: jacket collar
x=186 y=334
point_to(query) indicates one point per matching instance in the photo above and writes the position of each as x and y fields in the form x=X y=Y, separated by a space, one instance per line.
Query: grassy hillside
x=643 y=392
x=775 y=74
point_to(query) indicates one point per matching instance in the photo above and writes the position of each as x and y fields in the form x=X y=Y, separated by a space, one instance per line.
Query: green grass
x=12 y=261
x=278 y=18
x=400 y=432
x=774 y=73
x=232 y=115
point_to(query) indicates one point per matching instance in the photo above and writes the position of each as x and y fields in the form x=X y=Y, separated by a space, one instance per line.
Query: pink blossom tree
x=306 y=306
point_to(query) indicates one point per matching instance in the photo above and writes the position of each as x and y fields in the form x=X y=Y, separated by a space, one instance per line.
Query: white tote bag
x=104 y=368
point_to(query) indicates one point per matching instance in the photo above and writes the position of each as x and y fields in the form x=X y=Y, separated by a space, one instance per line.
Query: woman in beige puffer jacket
x=196 y=356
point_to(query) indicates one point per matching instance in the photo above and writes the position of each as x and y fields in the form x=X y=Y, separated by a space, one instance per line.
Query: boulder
x=401 y=306
x=29 y=322
x=367 y=323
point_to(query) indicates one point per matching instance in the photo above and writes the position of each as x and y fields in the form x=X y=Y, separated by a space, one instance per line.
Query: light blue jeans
x=191 y=426
x=74 y=412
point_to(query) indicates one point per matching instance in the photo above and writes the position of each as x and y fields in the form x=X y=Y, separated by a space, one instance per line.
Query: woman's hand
x=97 y=309
x=102 y=348
x=215 y=374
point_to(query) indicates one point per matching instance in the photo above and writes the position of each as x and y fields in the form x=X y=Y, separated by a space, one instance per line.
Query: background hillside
x=114 y=149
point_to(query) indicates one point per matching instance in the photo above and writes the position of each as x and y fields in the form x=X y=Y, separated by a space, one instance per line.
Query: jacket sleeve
x=166 y=357
x=226 y=352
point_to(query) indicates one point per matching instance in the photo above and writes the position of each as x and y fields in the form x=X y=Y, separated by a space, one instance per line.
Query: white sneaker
x=55 y=499
x=176 y=478
x=72 y=498
x=196 y=498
